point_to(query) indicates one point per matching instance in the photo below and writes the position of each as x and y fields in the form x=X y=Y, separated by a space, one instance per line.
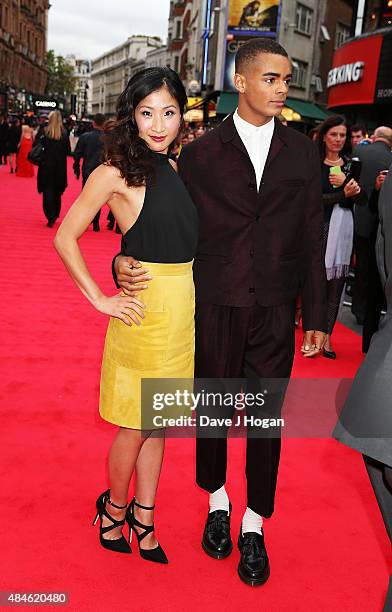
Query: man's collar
x=228 y=130
x=248 y=128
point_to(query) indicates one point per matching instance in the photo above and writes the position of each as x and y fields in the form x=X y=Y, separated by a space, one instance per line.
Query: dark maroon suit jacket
x=264 y=246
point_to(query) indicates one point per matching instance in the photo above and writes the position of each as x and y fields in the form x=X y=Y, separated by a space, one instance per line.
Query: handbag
x=36 y=155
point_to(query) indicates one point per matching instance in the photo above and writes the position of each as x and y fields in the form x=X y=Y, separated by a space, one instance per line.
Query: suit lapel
x=238 y=143
x=276 y=145
x=229 y=133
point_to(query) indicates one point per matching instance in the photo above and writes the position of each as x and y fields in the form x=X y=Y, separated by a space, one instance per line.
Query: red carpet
x=326 y=540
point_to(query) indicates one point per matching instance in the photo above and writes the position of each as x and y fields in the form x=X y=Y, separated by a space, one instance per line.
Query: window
x=341 y=34
x=304 y=18
x=300 y=70
x=178 y=29
x=176 y=63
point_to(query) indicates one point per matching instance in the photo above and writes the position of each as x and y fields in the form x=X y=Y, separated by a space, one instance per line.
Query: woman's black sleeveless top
x=166 y=230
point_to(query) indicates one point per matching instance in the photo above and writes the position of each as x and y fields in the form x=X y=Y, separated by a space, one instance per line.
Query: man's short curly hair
x=248 y=52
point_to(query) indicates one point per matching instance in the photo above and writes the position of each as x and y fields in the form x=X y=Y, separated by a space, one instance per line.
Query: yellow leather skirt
x=163 y=346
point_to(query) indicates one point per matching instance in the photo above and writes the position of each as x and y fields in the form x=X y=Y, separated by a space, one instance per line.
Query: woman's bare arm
x=99 y=188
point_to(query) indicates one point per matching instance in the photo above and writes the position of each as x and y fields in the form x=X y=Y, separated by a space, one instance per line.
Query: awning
x=306 y=109
x=196 y=114
x=228 y=102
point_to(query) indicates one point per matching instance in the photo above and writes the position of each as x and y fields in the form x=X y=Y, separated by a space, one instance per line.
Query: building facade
x=23 y=35
x=111 y=71
x=158 y=58
x=83 y=87
x=204 y=36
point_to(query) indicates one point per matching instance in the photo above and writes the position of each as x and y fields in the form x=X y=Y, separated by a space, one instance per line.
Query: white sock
x=219 y=500
x=252 y=522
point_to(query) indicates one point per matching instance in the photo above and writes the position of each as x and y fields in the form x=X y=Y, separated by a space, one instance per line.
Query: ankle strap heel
x=120 y=544
x=155 y=554
x=135 y=503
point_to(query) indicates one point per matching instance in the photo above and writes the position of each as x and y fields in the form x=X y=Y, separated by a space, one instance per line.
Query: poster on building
x=232 y=46
x=257 y=16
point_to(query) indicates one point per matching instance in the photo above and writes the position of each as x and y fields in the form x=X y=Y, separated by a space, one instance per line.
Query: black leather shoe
x=329 y=354
x=253 y=568
x=216 y=540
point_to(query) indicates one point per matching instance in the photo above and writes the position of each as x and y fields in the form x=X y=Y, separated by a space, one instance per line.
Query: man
x=374 y=157
x=89 y=148
x=365 y=422
x=374 y=298
x=257 y=187
x=358 y=133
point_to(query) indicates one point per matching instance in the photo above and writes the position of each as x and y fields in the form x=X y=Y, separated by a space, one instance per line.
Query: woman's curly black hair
x=123 y=148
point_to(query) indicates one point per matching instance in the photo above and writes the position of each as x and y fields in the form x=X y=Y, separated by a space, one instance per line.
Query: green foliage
x=61 y=80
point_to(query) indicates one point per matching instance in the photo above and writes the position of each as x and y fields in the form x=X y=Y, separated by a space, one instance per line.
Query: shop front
x=360 y=81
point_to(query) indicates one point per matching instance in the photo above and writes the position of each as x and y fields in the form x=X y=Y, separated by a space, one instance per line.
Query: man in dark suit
x=90 y=148
x=365 y=421
x=374 y=157
x=257 y=187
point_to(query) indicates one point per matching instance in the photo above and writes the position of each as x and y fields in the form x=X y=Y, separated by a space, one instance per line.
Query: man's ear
x=240 y=82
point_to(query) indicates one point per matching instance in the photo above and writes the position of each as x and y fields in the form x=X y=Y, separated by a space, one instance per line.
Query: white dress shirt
x=257 y=141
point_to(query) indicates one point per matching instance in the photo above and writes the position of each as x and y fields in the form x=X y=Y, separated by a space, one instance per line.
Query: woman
x=25 y=168
x=159 y=225
x=52 y=171
x=339 y=195
x=13 y=138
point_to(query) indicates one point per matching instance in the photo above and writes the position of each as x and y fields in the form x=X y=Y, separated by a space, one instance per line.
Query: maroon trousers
x=243 y=342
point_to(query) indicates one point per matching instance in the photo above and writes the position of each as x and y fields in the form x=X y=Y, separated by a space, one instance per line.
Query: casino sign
x=44 y=104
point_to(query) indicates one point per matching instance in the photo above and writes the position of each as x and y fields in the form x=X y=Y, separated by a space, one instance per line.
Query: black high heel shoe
x=154 y=554
x=119 y=545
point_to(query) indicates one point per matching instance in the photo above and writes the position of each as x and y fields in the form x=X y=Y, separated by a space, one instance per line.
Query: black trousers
x=250 y=343
x=51 y=202
x=381 y=478
x=98 y=215
x=374 y=298
x=362 y=249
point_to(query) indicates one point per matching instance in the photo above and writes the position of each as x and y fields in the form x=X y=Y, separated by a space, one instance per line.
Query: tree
x=61 y=80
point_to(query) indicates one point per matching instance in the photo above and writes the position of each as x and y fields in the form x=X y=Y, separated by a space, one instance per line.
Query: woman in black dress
x=150 y=337
x=13 y=138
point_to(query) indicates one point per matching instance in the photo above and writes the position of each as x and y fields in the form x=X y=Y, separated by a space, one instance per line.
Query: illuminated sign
x=259 y=17
x=348 y=73
x=45 y=103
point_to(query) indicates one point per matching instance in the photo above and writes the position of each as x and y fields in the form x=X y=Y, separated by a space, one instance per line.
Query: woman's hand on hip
x=122 y=307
